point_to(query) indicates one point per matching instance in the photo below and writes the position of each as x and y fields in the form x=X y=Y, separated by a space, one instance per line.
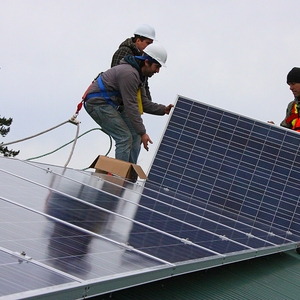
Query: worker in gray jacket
x=117 y=98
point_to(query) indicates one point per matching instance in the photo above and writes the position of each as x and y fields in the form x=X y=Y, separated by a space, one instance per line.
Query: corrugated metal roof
x=270 y=277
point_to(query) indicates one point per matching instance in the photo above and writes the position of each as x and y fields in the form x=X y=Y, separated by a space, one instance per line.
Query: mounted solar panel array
x=221 y=189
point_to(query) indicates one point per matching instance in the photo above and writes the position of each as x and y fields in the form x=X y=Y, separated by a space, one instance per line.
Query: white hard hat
x=157 y=52
x=145 y=30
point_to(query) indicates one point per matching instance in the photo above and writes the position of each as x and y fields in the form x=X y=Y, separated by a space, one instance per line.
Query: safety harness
x=106 y=95
x=103 y=94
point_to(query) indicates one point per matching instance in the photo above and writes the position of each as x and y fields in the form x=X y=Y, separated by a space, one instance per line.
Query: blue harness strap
x=106 y=95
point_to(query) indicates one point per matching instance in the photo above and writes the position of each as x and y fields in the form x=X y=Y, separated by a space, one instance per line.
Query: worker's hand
x=168 y=108
x=271 y=122
x=145 y=139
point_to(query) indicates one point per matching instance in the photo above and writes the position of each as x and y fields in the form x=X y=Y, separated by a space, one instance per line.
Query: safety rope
x=72 y=120
x=73 y=147
x=36 y=157
x=30 y=137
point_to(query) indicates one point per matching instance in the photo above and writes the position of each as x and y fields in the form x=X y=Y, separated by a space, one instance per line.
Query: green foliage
x=4 y=130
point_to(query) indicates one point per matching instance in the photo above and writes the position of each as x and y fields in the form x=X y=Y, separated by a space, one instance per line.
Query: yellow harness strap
x=139 y=101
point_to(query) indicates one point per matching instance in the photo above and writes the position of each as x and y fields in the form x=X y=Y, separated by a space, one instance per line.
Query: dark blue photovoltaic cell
x=12 y=276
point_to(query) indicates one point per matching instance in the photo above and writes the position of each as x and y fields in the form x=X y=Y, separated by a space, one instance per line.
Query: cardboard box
x=104 y=164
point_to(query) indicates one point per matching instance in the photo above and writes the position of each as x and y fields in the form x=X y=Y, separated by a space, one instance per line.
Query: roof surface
x=270 y=277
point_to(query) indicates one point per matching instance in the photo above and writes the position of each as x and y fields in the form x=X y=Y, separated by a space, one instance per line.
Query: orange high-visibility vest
x=294 y=118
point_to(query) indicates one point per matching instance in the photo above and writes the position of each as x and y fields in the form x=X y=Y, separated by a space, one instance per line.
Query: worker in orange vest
x=292 y=118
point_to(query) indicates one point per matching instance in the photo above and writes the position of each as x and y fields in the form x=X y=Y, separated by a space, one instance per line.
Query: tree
x=4 y=130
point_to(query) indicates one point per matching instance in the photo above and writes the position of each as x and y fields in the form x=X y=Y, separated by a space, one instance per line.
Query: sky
x=232 y=54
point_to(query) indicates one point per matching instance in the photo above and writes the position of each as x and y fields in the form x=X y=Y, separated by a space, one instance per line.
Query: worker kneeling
x=117 y=98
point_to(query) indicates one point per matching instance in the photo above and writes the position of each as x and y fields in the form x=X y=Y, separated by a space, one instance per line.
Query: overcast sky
x=232 y=54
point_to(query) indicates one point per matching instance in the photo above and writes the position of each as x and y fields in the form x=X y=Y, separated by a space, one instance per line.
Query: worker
x=143 y=36
x=117 y=98
x=292 y=118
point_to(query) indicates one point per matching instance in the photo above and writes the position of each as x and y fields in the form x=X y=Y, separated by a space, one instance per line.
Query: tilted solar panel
x=245 y=168
x=222 y=188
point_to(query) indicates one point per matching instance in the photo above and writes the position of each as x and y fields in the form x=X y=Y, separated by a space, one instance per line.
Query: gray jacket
x=126 y=79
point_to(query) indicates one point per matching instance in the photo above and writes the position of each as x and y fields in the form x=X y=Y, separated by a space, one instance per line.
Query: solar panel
x=239 y=165
x=222 y=188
